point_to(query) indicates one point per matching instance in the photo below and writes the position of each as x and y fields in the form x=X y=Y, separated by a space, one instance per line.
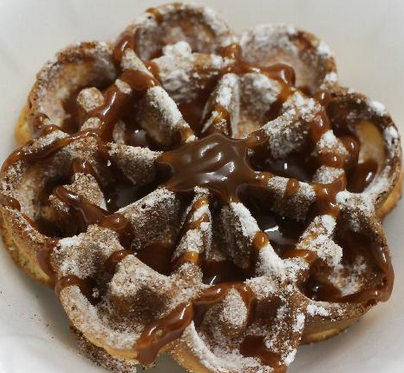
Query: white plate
x=367 y=40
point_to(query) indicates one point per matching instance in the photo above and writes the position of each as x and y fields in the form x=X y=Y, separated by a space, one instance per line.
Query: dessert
x=210 y=195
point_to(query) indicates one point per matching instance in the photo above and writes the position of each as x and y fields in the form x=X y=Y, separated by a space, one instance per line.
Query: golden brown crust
x=25 y=262
x=22 y=130
x=99 y=356
x=392 y=199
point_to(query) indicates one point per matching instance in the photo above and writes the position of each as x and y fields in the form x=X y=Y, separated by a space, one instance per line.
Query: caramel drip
x=254 y=346
x=126 y=42
x=248 y=297
x=153 y=68
x=117 y=102
x=281 y=72
x=169 y=328
x=222 y=118
x=223 y=271
x=72 y=280
x=352 y=147
x=260 y=240
x=44 y=259
x=292 y=186
x=307 y=255
x=353 y=243
x=157 y=15
x=115 y=258
x=157 y=255
x=85 y=212
x=194 y=224
x=381 y=257
x=37 y=154
x=7 y=201
x=121 y=225
x=197 y=223
x=216 y=162
x=160 y=333
x=189 y=257
x=361 y=175
x=83 y=167
x=326 y=194
x=37 y=124
x=137 y=137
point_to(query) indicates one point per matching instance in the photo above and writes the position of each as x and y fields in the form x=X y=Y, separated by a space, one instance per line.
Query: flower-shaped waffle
x=210 y=195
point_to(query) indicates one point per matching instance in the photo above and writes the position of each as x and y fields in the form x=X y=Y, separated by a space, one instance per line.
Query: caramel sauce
x=189 y=257
x=7 y=201
x=169 y=328
x=157 y=255
x=292 y=186
x=37 y=124
x=326 y=194
x=126 y=42
x=157 y=15
x=85 y=286
x=115 y=258
x=260 y=240
x=38 y=154
x=254 y=346
x=83 y=167
x=307 y=255
x=281 y=72
x=216 y=162
x=44 y=259
x=121 y=225
x=160 y=333
x=222 y=115
x=353 y=244
x=84 y=212
x=222 y=165
x=361 y=175
x=137 y=137
x=71 y=121
x=117 y=102
x=223 y=271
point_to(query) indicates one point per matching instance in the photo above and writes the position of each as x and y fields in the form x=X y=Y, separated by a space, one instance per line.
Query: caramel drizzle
x=157 y=15
x=28 y=154
x=280 y=72
x=283 y=73
x=116 y=102
x=72 y=280
x=164 y=331
x=216 y=162
x=169 y=328
x=115 y=258
x=324 y=290
x=253 y=346
x=7 y=201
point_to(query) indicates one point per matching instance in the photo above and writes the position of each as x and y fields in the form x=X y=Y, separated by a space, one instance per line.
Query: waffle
x=209 y=195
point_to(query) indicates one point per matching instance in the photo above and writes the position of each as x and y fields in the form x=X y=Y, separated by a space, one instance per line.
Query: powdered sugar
x=316 y=310
x=378 y=107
